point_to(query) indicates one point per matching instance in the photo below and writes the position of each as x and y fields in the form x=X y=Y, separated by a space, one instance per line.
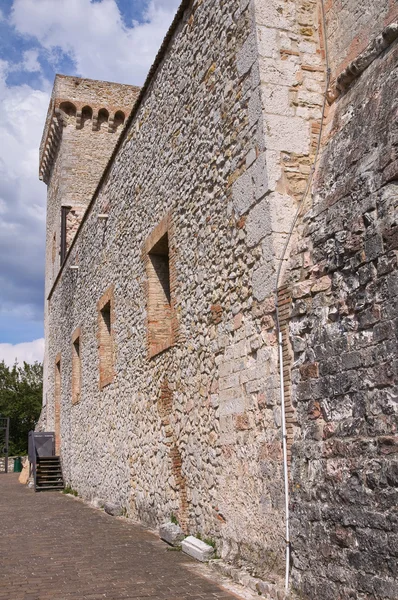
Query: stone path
x=53 y=547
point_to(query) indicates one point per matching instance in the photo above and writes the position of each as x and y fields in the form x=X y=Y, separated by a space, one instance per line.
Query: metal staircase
x=49 y=474
x=44 y=465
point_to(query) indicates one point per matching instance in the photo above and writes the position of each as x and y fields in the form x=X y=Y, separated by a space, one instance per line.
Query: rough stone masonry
x=161 y=364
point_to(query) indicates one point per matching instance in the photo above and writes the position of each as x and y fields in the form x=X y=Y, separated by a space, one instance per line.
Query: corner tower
x=84 y=120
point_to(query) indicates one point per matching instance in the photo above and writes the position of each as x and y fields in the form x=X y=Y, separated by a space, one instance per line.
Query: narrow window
x=105 y=339
x=64 y=214
x=76 y=367
x=68 y=108
x=54 y=248
x=160 y=314
x=118 y=119
x=57 y=405
x=103 y=116
x=87 y=114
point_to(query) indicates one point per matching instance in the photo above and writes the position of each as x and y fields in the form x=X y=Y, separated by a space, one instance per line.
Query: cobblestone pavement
x=53 y=547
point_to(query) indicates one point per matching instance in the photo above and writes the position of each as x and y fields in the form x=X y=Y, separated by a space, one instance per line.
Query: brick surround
x=160 y=263
x=57 y=404
x=76 y=365
x=165 y=407
x=105 y=337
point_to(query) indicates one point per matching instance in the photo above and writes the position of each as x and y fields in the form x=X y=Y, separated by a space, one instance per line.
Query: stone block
x=286 y=133
x=197 y=549
x=113 y=509
x=263 y=281
x=246 y=55
x=243 y=193
x=171 y=533
x=258 y=223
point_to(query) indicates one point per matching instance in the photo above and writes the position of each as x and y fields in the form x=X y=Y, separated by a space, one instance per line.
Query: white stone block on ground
x=171 y=533
x=197 y=549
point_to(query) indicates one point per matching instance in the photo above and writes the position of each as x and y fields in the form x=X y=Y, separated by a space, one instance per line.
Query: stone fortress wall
x=343 y=329
x=166 y=322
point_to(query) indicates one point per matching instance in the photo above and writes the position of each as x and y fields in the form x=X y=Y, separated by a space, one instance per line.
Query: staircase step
x=49 y=481
x=49 y=474
x=48 y=468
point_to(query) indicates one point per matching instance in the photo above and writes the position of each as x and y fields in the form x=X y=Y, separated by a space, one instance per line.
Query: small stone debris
x=113 y=509
x=172 y=534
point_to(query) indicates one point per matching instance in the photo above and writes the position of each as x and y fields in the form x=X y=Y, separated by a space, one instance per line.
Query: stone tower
x=84 y=121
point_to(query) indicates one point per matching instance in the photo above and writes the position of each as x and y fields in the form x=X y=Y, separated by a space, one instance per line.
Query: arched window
x=103 y=116
x=118 y=119
x=68 y=108
x=87 y=114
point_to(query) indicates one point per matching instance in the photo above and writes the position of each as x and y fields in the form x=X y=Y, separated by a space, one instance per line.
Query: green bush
x=21 y=391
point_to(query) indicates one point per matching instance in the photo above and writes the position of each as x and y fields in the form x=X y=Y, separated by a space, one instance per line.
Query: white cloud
x=102 y=47
x=22 y=196
x=26 y=351
x=30 y=61
x=94 y=35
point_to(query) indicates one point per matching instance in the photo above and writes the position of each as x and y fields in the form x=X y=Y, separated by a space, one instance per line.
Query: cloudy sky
x=114 y=40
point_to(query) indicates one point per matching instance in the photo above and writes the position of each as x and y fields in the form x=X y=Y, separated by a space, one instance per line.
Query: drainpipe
x=278 y=329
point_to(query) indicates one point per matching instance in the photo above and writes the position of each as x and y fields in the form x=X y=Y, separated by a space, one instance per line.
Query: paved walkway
x=53 y=547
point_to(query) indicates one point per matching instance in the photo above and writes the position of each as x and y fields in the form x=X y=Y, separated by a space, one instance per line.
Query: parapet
x=76 y=101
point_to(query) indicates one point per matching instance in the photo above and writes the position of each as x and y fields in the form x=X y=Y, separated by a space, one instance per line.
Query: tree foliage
x=21 y=399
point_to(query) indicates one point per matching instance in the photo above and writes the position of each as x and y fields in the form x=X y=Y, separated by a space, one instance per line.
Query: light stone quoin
x=170 y=208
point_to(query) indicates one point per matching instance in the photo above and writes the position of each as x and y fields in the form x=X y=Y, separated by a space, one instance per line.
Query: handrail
x=34 y=466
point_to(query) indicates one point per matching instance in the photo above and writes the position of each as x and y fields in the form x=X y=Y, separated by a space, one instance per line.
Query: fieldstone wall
x=215 y=158
x=193 y=430
x=352 y=24
x=344 y=332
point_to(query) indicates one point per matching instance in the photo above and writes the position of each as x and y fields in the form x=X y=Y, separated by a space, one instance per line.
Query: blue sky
x=115 y=40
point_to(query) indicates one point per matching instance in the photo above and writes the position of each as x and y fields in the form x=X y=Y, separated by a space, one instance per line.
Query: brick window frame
x=57 y=403
x=105 y=337
x=76 y=366
x=159 y=255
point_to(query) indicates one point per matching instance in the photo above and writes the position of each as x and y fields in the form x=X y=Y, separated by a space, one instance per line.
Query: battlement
x=82 y=103
x=84 y=121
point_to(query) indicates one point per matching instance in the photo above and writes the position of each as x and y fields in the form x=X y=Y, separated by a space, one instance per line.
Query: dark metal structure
x=5 y=439
x=44 y=465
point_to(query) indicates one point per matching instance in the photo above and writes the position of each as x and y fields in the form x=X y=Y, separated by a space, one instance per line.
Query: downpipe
x=278 y=328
